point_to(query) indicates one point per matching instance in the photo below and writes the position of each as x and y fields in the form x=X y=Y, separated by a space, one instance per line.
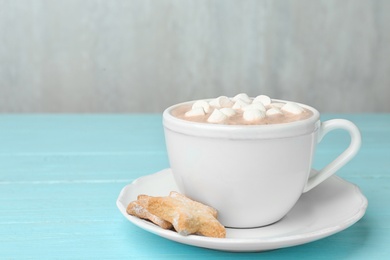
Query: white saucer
x=329 y=208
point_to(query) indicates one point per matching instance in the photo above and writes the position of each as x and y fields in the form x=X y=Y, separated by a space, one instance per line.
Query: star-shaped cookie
x=186 y=216
x=139 y=208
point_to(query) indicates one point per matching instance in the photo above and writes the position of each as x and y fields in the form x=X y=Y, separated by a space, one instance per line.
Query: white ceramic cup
x=253 y=175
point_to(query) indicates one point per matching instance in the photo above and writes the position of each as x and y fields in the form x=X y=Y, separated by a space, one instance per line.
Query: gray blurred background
x=144 y=55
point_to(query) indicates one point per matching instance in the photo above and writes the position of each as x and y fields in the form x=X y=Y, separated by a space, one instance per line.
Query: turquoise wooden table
x=60 y=176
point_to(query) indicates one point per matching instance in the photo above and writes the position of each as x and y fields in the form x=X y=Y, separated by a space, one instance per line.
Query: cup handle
x=343 y=158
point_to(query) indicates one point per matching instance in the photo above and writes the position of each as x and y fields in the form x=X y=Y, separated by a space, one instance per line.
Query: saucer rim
x=248 y=244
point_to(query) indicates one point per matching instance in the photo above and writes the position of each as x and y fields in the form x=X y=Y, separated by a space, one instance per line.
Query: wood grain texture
x=144 y=55
x=60 y=176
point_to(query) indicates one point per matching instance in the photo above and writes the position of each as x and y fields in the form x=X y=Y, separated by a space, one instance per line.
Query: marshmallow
x=240 y=104
x=292 y=108
x=265 y=100
x=244 y=97
x=221 y=101
x=217 y=116
x=258 y=106
x=228 y=111
x=253 y=115
x=273 y=112
x=198 y=111
x=203 y=104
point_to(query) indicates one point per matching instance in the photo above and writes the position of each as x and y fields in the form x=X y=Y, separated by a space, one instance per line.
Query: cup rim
x=282 y=130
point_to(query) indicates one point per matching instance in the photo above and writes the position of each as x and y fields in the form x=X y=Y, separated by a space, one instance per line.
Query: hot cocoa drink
x=257 y=172
x=241 y=110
